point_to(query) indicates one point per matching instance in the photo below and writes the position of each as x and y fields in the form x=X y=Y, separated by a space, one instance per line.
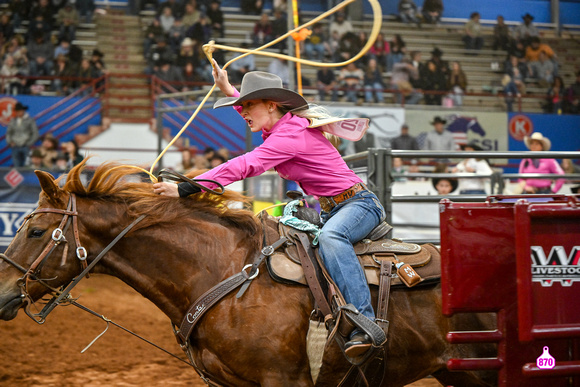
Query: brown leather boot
x=358 y=344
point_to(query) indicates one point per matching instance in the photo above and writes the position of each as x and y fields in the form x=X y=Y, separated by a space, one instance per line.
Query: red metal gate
x=520 y=258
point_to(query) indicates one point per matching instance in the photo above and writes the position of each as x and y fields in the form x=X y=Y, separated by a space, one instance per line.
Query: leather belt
x=327 y=203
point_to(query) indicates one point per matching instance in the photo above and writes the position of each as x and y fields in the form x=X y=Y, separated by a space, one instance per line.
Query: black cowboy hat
x=97 y=52
x=20 y=106
x=454 y=183
x=437 y=52
x=527 y=16
x=471 y=144
x=438 y=120
x=262 y=85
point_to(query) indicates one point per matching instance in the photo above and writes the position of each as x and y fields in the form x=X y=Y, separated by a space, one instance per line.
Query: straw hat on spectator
x=537 y=136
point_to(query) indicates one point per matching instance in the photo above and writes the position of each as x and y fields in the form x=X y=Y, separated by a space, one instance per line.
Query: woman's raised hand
x=220 y=78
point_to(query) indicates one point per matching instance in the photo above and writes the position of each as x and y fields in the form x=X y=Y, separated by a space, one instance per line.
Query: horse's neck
x=172 y=266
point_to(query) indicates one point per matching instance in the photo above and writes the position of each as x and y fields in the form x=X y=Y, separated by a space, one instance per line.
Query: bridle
x=32 y=274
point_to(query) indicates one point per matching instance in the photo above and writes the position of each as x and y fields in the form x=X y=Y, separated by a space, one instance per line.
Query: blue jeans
x=348 y=223
x=19 y=155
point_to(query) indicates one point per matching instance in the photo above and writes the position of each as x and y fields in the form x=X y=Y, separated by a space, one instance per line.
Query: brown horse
x=182 y=248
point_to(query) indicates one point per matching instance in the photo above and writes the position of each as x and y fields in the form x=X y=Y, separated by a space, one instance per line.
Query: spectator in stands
x=443 y=185
x=62 y=70
x=279 y=67
x=252 y=7
x=457 y=84
x=240 y=67
x=569 y=167
x=161 y=52
x=85 y=76
x=6 y=29
x=434 y=81
x=191 y=15
x=326 y=83
x=39 y=26
x=43 y=9
x=216 y=160
x=35 y=161
x=373 y=82
x=439 y=139
x=10 y=72
x=49 y=146
x=340 y=25
x=176 y=8
x=191 y=77
x=501 y=35
x=573 y=96
x=216 y=17
x=97 y=64
x=166 y=19
x=472 y=186
x=472 y=33
x=189 y=53
x=534 y=50
x=334 y=46
x=315 y=47
x=526 y=30
x=86 y=9
x=68 y=20
x=60 y=164
x=40 y=54
x=403 y=74
x=176 y=35
x=362 y=40
x=279 y=28
x=404 y=141
x=398 y=51
x=63 y=48
x=171 y=74
x=200 y=31
x=15 y=49
x=555 y=96
x=381 y=49
x=510 y=91
x=432 y=11
x=21 y=133
x=543 y=70
x=153 y=32
x=262 y=32
x=514 y=63
x=437 y=58
x=408 y=12
x=351 y=80
x=538 y=143
x=224 y=152
x=419 y=68
x=19 y=11
x=348 y=47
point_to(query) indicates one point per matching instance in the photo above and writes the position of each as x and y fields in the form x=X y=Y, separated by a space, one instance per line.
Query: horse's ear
x=48 y=184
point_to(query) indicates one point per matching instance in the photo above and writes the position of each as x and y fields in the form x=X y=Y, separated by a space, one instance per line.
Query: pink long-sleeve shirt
x=297 y=153
x=545 y=166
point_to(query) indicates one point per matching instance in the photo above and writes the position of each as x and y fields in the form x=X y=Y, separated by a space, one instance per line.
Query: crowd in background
x=37 y=43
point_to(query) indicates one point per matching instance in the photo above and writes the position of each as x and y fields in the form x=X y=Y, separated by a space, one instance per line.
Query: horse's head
x=40 y=258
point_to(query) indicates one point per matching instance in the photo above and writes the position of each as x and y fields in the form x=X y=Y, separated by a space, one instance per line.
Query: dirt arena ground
x=50 y=354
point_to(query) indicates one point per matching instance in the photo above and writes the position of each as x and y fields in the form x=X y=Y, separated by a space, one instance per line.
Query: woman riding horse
x=349 y=210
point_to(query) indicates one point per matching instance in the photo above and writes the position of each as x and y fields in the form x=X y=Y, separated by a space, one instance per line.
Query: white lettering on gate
x=520 y=128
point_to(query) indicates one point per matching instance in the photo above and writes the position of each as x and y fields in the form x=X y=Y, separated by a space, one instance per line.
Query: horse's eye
x=36 y=233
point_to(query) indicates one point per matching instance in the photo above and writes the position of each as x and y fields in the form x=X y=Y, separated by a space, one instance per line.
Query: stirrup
x=376 y=334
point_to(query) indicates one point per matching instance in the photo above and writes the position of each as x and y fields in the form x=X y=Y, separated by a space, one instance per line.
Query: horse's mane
x=122 y=184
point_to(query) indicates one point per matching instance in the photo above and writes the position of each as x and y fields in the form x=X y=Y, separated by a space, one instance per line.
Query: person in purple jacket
x=537 y=143
x=302 y=154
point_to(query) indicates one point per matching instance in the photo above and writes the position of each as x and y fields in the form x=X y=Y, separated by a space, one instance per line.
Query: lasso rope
x=211 y=46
